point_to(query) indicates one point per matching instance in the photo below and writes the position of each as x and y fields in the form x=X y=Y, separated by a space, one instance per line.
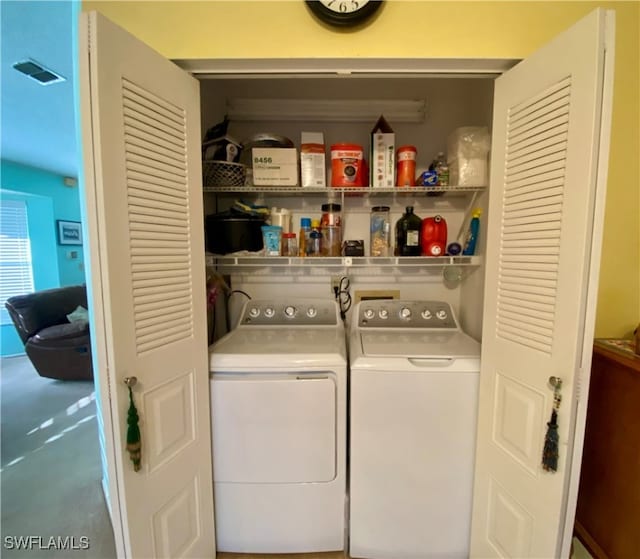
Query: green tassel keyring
x=134 y=446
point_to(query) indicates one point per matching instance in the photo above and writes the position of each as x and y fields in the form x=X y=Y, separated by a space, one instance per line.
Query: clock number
x=344 y=13
x=343 y=6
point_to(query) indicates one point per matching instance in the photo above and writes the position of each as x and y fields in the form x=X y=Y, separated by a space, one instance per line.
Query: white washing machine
x=413 y=401
x=278 y=396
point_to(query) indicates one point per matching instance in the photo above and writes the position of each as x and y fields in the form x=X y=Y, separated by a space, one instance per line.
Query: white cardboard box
x=275 y=166
x=313 y=170
x=382 y=161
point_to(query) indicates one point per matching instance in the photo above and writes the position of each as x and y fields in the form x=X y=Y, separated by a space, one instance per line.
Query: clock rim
x=346 y=19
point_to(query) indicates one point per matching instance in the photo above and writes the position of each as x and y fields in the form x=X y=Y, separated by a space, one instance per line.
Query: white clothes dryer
x=278 y=397
x=413 y=401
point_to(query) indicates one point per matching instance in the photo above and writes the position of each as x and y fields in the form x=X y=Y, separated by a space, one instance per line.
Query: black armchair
x=58 y=348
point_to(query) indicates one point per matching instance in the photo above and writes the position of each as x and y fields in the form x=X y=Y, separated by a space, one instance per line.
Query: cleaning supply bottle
x=408 y=234
x=472 y=235
x=303 y=238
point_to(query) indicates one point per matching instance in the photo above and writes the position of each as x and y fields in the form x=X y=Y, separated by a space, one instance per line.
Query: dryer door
x=273 y=429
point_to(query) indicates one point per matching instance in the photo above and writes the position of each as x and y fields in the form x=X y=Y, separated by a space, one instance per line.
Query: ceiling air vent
x=36 y=71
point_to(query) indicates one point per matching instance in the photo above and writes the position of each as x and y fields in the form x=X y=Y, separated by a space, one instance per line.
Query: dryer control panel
x=293 y=312
x=405 y=314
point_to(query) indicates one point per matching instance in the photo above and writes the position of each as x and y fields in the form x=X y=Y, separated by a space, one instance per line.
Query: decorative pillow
x=80 y=314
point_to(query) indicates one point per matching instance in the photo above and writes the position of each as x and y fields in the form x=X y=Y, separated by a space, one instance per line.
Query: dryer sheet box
x=275 y=166
x=382 y=155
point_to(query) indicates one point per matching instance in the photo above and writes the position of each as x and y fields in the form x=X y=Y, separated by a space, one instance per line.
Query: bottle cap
x=331 y=207
x=305 y=222
x=315 y=223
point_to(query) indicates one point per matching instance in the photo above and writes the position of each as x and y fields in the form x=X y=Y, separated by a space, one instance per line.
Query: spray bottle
x=472 y=235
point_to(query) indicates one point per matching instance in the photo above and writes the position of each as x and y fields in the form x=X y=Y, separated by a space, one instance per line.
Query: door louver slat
x=158 y=210
x=532 y=218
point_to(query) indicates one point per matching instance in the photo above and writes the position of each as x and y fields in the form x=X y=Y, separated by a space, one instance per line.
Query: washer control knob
x=426 y=314
x=441 y=314
x=405 y=313
x=312 y=312
x=269 y=312
x=254 y=312
x=369 y=314
x=383 y=313
x=290 y=311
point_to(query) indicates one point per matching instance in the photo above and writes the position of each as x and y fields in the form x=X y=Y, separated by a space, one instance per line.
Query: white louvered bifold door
x=144 y=217
x=542 y=248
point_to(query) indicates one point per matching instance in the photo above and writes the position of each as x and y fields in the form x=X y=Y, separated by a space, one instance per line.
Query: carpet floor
x=50 y=473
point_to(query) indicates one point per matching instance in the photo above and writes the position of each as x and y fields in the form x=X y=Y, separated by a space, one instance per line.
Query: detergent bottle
x=472 y=235
x=433 y=238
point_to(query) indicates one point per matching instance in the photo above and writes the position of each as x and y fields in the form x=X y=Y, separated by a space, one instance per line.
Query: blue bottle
x=472 y=235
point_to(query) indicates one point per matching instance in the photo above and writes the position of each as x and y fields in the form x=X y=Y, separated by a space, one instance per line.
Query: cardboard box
x=275 y=166
x=313 y=170
x=382 y=160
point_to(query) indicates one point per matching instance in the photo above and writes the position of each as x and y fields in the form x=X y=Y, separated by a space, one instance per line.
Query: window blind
x=16 y=274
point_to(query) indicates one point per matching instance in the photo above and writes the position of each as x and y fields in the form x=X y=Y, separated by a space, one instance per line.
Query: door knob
x=555 y=382
x=130 y=381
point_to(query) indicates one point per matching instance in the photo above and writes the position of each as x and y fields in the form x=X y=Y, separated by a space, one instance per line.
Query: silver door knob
x=556 y=382
x=130 y=381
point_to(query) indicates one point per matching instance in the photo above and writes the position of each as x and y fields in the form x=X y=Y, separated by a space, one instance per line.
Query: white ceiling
x=38 y=122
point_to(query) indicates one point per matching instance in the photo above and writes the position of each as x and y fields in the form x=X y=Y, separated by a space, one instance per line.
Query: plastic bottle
x=408 y=234
x=406 y=166
x=472 y=235
x=442 y=169
x=315 y=239
x=331 y=229
x=303 y=238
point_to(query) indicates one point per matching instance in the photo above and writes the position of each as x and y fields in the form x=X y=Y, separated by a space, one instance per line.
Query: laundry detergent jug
x=433 y=238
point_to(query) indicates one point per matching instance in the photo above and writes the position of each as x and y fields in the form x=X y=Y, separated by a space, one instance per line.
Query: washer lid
x=260 y=345
x=418 y=344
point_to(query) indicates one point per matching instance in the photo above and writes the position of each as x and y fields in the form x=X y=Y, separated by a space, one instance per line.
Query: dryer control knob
x=441 y=314
x=384 y=314
x=269 y=312
x=290 y=311
x=254 y=312
x=312 y=312
x=405 y=313
x=426 y=314
x=369 y=314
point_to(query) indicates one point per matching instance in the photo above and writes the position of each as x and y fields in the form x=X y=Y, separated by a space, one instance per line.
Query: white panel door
x=542 y=259
x=141 y=133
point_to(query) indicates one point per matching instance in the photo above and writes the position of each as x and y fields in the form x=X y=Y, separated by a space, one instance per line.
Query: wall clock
x=344 y=13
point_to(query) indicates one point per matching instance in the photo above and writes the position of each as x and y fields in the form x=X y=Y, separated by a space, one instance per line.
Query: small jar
x=315 y=239
x=380 y=231
x=289 y=244
x=331 y=229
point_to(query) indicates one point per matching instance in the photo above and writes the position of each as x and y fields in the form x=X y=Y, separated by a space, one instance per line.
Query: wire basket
x=223 y=173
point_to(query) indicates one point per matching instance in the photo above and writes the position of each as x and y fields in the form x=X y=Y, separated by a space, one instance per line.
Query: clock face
x=343 y=13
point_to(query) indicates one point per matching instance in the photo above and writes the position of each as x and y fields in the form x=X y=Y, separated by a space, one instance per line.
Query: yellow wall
x=280 y=29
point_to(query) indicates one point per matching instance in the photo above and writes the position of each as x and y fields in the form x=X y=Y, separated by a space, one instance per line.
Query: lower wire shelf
x=353 y=264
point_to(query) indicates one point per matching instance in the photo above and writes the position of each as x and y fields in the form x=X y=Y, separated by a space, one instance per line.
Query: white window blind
x=16 y=274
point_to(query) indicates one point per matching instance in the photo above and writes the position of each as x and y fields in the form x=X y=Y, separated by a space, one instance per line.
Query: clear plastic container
x=380 y=229
x=331 y=229
x=289 y=244
x=315 y=239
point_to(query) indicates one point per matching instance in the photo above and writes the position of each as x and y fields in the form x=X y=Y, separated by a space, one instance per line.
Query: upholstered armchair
x=54 y=331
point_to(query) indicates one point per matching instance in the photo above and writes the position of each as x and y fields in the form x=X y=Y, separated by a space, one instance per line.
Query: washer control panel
x=405 y=314
x=303 y=312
